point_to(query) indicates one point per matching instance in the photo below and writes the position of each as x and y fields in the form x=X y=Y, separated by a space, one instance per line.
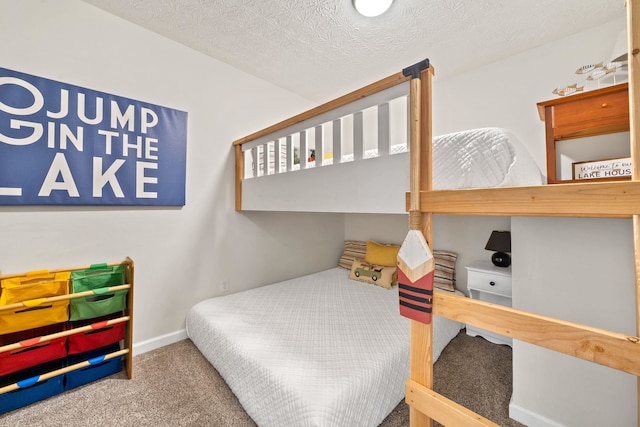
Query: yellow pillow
x=386 y=255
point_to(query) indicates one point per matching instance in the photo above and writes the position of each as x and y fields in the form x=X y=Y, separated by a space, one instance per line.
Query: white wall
x=181 y=254
x=505 y=93
x=580 y=270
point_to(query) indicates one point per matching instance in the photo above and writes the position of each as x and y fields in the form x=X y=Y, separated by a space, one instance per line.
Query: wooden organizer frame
x=126 y=351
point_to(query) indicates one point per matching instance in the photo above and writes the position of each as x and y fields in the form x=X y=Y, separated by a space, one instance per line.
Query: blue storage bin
x=30 y=391
x=33 y=371
x=98 y=368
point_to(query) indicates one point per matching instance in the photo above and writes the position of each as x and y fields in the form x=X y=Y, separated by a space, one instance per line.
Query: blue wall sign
x=66 y=145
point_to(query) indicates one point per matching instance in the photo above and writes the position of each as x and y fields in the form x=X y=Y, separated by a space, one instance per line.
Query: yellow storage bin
x=33 y=314
x=34 y=285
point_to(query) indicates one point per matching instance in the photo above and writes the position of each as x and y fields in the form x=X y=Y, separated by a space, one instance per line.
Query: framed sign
x=602 y=169
x=62 y=144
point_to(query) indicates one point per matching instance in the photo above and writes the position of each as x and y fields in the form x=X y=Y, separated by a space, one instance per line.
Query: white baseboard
x=530 y=419
x=161 y=341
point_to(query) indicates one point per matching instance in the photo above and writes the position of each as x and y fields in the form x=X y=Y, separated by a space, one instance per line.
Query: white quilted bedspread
x=485 y=157
x=476 y=158
x=320 y=350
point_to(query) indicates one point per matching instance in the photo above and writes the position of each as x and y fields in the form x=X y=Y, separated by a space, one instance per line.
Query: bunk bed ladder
x=633 y=29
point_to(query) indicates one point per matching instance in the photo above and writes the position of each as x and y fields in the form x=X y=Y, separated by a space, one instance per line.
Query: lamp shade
x=500 y=243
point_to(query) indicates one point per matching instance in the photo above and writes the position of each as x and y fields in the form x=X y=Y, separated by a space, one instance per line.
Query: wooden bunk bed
x=618 y=199
x=598 y=199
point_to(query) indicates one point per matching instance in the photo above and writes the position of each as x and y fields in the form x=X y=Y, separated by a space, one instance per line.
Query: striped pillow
x=444 y=275
x=353 y=251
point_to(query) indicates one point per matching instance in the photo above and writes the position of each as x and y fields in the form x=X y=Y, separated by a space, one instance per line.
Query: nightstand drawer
x=489 y=282
x=608 y=109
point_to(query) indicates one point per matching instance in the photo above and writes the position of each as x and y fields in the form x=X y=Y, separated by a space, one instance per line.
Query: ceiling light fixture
x=371 y=8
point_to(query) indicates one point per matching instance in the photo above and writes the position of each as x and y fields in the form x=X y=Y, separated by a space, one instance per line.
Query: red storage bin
x=100 y=336
x=32 y=352
x=31 y=333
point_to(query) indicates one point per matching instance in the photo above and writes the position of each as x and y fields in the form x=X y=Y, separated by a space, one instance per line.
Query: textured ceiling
x=321 y=49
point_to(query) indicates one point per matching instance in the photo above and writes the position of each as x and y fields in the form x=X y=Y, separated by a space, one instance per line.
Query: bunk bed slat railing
x=271 y=150
x=264 y=156
x=303 y=149
x=309 y=122
x=384 y=129
x=337 y=141
x=368 y=96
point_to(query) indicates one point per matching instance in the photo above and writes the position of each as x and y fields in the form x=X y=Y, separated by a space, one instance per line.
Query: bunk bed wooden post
x=426 y=146
x=420 y=395
x=633 y=43
x=129 y=277
x=239 y=175
x=421 y=359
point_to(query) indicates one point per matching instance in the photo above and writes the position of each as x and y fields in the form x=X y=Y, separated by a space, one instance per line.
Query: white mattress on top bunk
x=482 y=158
x=320 y=350
x=476 y=158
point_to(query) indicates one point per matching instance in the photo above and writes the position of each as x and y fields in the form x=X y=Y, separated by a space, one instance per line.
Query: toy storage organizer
x=63 y=329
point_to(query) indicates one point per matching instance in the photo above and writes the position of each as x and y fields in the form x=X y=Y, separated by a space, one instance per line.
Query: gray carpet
x=176 y=386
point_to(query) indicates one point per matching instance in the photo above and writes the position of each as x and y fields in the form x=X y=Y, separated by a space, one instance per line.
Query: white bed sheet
x=320 y=350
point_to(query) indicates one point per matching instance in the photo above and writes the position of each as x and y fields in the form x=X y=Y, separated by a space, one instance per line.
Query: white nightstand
x=486 y=282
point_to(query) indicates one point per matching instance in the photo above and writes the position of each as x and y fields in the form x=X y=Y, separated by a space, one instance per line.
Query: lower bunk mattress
x=320 y=350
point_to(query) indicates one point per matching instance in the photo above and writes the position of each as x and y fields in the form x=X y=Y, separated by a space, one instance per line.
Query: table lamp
x=500 y=243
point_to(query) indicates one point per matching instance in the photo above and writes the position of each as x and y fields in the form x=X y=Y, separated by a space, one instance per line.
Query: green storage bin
x=97 y=276
x=100 y=304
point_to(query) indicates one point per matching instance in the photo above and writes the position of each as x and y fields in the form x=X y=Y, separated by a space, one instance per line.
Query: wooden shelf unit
x=77 y=360
x=597 y=112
